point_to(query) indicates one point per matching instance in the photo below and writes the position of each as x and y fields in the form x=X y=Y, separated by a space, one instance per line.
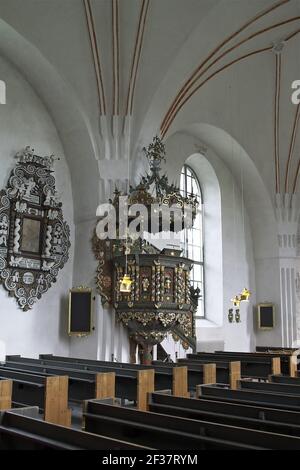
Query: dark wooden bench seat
x=225 y=372
x=288 y=363
x=166 y=432
x=165 y=377
x=284 y=379
x=246 y=416
x=246 y=396
x=49 y=393
x=250 y=366
x=22 y=430
x=84 y=384
x=123 y=422
x=271 y=387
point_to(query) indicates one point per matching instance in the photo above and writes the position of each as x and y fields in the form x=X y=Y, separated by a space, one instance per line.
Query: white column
x=289 y=264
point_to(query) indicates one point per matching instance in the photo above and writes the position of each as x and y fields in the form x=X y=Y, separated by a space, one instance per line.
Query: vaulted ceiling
x=112 y=73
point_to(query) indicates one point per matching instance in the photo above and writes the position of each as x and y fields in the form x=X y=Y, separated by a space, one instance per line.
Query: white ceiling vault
x=113 y=73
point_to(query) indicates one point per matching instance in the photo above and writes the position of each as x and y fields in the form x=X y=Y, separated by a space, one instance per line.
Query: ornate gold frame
x=80 y=289
x=265 y=304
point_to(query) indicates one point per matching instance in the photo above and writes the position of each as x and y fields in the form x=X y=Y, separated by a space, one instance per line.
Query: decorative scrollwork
x=36 y=243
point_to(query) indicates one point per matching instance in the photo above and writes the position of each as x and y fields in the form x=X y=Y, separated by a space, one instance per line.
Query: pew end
x=293 y=366
x=105 y=386
x=56 y=401
x=276 y=366
x=5 y=394
x=180 y=382
x=145 y=385
x=209 y=373
x=234 y=374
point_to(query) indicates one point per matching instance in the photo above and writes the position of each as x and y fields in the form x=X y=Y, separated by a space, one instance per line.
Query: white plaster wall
x=109 y=339
x=25 y=121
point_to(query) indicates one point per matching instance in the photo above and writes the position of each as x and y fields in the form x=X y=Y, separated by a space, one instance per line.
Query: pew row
x=223 y=372
x=249 y=396
x=21 y=429
x=50 y=394
x=176 y=432
x=284 y=379
x=270 y=387
x=127 y=384
x=165 y=377
x=197 y=373
x=250 y=366
x=236 y=414
x=288 y=361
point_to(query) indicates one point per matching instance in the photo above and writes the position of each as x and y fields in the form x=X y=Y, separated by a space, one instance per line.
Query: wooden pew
x=250 y=366
x=173 y=432
x=129 y=384
x=271 y=387
x=21 y=429
x=284 y=379
x=49 y=393
x=220 y=372
x=232 y=414
x=288 y=361
x=5 y=393
x=253 y=397
x=165 y=376
x=274 y=349
x=198 y=372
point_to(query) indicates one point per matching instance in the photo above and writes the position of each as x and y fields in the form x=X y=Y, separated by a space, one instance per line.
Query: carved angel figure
x=145 y=284
x=21 y=206
x=30 y=185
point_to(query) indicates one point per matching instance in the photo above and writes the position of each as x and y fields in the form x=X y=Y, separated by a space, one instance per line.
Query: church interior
x=150 y=225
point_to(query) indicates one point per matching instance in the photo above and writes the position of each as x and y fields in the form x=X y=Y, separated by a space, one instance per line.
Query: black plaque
x=266 y=316
x=80 y=311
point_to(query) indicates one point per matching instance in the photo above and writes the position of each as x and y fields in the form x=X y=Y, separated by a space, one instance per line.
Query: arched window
x=192 y=239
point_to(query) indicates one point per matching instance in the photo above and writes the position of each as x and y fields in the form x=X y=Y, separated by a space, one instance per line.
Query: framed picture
x=80 y=311
x=266 y=316
x=31 y=235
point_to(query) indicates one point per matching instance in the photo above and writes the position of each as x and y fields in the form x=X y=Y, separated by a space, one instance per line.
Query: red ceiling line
x=118 y=56
x=258 y=51
x=94 y=62
x=296 y=177
x=115 y=49
x=232 y=36
x=221 y=56
x=94 y=44
x=291 y=36
x=139 y=55
x=292 y=146
x=136 y=55
x=276 y=122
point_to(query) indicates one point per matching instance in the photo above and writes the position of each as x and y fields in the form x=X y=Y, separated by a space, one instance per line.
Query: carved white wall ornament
x=34 y=238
